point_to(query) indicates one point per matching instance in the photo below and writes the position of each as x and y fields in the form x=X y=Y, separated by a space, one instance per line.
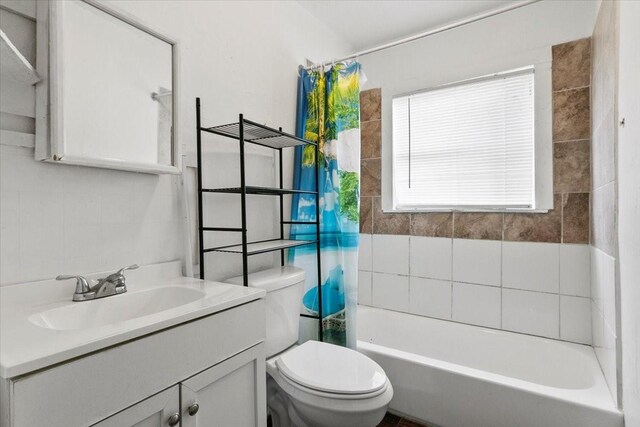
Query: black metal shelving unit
x=247 y=131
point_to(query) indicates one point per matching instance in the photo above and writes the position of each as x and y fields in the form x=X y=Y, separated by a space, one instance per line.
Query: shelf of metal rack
x=256 y=133
x=265 y=191
x=261 y=247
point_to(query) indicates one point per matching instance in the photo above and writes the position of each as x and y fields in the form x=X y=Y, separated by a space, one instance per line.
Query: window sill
x=523 y=211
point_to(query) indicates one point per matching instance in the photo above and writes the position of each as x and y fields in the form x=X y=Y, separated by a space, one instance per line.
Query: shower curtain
x=328 y=113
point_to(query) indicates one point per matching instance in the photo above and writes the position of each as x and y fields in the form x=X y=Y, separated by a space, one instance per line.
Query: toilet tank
x=284 y=286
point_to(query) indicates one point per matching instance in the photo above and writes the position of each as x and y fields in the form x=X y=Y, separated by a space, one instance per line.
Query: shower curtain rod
x=418 y=36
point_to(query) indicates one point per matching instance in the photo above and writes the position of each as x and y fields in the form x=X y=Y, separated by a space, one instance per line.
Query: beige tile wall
x=568 y=222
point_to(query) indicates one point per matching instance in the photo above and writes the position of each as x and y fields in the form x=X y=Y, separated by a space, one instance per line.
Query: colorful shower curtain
x=328 y=113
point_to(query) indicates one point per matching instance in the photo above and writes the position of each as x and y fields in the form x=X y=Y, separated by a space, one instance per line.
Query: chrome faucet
x=113 y=284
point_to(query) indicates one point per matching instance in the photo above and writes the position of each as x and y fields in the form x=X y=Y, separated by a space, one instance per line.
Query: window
x=467 y=145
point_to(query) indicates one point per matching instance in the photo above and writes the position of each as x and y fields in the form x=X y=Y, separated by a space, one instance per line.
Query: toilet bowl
x=313 y=384
x=323 y=385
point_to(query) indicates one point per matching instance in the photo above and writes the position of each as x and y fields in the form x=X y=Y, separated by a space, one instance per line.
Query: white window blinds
x=468 y=145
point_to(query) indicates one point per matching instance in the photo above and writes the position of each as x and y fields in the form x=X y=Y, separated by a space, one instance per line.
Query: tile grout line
x=562 y=195
x=562 y=141
x=502 y=276
x=559 y=286
x=409 y=269
x=371 y=260
x=567 y=89
x=453 y=224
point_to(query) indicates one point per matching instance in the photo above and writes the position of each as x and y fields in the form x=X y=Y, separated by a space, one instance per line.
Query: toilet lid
x=330 y=368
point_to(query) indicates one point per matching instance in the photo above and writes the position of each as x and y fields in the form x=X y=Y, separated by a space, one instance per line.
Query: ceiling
x=369 y=23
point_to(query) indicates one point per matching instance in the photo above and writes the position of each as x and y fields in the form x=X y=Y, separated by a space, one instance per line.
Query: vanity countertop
x=30 y=341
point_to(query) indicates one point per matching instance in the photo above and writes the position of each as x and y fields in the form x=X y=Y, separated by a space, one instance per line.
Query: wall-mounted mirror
x=111 y=88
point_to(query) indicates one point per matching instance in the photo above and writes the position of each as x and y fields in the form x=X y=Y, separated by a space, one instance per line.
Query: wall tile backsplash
x=430 y=257
x=477 y=305
x=570 y=62
x=390 y=291
x=523 y=272
x=531 y=267
x=529 y=287
x=484 y=226
x=430 y=297
x=364 y=287
x=431 y=224
x=390 y=254
x=573 y=310
x=531 y=312
x=574 y=270
x=477 y=261
x=70 y=219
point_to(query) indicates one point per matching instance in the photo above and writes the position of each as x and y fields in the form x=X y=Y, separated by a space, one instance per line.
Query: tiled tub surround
x=604 y=244
x=524 y=272
x=568 y=222
x=534 y=288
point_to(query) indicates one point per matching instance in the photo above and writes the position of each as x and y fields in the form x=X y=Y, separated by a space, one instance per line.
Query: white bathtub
x=455 y=375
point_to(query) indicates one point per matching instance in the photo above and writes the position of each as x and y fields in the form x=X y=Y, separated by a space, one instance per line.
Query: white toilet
x=314 y=384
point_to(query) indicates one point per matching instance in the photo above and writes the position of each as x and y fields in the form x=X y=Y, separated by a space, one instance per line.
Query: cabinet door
x=232 y=393
x=152 y=412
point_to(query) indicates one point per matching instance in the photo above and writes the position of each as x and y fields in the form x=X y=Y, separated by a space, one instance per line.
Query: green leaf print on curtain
x=329 y=114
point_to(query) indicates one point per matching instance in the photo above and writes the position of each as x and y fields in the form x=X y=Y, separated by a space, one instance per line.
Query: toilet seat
x=323 y=403
x=331 y=370
x=288 y=384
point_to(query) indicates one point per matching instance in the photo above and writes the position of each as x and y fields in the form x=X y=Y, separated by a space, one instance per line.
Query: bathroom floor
x=391 y=420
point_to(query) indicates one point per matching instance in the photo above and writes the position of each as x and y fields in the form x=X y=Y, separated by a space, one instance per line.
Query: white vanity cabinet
x=154 y=411
x=227 y=394
x=216 y=361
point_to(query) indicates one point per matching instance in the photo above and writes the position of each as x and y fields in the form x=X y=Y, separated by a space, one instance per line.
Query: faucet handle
x=130 y=267
x=82 y=286
x=118 y=277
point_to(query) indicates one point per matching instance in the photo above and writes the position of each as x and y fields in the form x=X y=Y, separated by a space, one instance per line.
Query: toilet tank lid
x=273 y=278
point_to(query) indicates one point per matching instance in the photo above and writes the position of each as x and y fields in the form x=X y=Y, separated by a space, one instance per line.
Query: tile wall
x=69 y=219
x=604 y=244
x=527 y=273
x=529 y=287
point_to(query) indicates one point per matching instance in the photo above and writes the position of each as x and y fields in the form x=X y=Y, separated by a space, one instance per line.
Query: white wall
x=629 y=206
x=503 y=42
x=238 y=57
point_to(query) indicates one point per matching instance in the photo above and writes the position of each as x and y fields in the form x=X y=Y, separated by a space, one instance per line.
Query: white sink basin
x=114 y=309
x=40 y=326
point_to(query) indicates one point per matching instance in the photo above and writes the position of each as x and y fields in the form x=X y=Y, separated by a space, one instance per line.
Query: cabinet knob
x=193 y=409
x=174 y=419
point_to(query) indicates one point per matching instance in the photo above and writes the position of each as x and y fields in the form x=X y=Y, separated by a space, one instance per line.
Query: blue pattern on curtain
x=328 y=113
